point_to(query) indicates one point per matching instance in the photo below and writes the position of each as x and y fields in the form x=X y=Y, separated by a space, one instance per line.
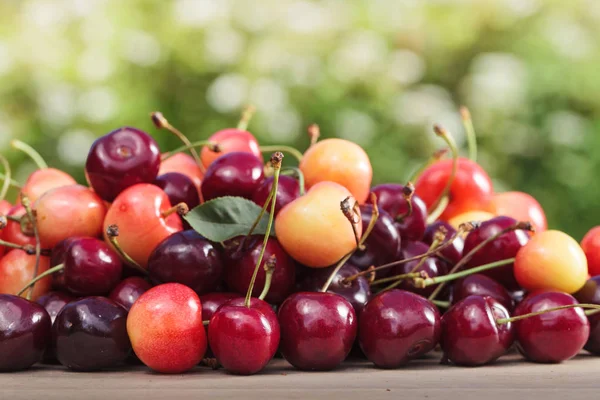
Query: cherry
x=24 y=332
x=591 y=247
x=470 y=334
x=128 y=291
x=590 y=293
x=120 y=159
x=241 y=264
x=211 y=302
x=57 y=256
x=13 y=232
x=397 y=326
x=469 y=216
x=53 y=302
x=5 y=207
x=288 y=189
x=522 y=207
x=453 y=253
x=230 y=141
x=17 y=269
x=411 y=223
x=187 y=258
x=165 y=328
x=179 y=188
x=244 y=338
x=481 y=285
x=143 y=215
x=501 y=248
x=233 y=174
x=43 y=180
x=432 y=266
x=317 y=330
x=184 y=164
x=313 y=230
x=90 y=334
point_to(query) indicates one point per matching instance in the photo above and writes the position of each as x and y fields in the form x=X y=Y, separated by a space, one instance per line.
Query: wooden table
x=510 y=378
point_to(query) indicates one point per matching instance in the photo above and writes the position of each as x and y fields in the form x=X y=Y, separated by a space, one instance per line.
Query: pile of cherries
x=117 y=271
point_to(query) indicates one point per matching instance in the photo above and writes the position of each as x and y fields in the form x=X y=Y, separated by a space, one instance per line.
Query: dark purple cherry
x=179 y=188
x=453 y=252
x=121 y=159
x=317 y=330
x=232 y=174
x=383 y=244
x=187 y=258
x=590 y=293
x=390 y=198
x=91 y=267
x=288 y=189
x=53 y=302
x=57 y=256
x=24 y=332
x=211 y=302
x=397 y=326
x=506 y=246
x=481 y=285
x=128 y=291
x=91 y=334
x=555 y=336
x=432 y=266
x=240 y=267
x=470 y=334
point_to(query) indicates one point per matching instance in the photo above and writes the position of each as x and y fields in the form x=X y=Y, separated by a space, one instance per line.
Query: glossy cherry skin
x=91 y=334
x=591 y=247
x=391 y=200
x=470 y=334
x=187 y=258
x=505 y=246
x=288 y=190
x=471 y=188
x=17 y=269
x=128 y=291
x=432 y=266
x=317 y=330
x=120 y=159
x=12 y=232
x=244 y=339
x=590 y=293
x=24 y=332
x=179 y=188
x=553 y=337
x=481 y=285
x=44 y=180
x=91 y=267
x=211 y=302
x=57 y=256
x=53 y=302
x=452 y=253
x=522 y=207
x=185 y=164
x=229 y=141
x=233 y=174
x=240 y=268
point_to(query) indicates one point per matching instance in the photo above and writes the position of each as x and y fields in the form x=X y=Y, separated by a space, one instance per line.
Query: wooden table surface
x=509 y=378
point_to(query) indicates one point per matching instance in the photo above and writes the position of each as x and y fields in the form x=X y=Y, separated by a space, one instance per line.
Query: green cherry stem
x=27 y=248
x=246 y=117
x=465 y=116
x=12 y=182
x=161 y=122
x=282 y=148
x=38 y=248
x=299 y=175
x=269 y=269
x=30 y=151
x=593 y=307
x=276 y=159
x=213 y=146
x=424 y=282
x=442 y=304
x=444 y=134
x=112 y=233
x=7 y=174
x=395 y=278
x=40 y=277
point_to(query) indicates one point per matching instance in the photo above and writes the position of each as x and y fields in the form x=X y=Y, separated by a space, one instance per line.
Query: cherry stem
x=282 y=148
x=7 y=171
x=444 y=134
x=407 y=192
x=205 y=323
x=31 y=152
x=27 y=248
x=162 y=123
x=38 y=249
x=112 y=232
x=439 y=210
x=465 y=115
x=180 y=208
x=246 y=117
x=352 y=214
x=3 y=222
x=314 y=132
x=213 y=146
x=360 y=245
x=12 y=182
x=442 y=304
x=501 y=321
x=435 y=157
x=467 y=257
x=40 y=277
x=14 y=218
x=399 y=277
x=276 y=159
x=423 y=283
x=269 y=269
x=299 y=175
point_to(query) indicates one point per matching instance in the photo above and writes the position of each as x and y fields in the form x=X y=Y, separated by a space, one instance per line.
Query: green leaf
x=227 y=217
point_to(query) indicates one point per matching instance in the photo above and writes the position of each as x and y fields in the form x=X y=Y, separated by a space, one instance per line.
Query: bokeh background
x=378 y=72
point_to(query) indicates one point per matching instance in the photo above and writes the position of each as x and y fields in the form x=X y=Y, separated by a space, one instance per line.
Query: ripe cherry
x=469 y=216
x=120 y=159
x=233 y=174
x=128 y=291
x=432 y=266
x=590 y=293
x=453 y=253
x=184 y=164
x=288 y=190
x=211 y=302
x=230 y=141
x=179 y=188
x=57 y=256
x=17 y=269
x=53 y=302
x=522 y=207
x=591 y=247
x=481 y=285
x=5 y=206
x=411 y=223
x=43 y=180
x=13 y=232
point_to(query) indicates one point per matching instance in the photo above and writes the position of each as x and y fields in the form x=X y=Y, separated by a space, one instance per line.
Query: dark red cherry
x=179 y=188
x=57 y=256
x=397 y=326
x=506 y=246
x=288 y=190
x=390 y=198
x=233 y=174
x=240 y=267
x=91 y=334
x=24 y=332
x=555 y=336
x=317 y=330
x=187 y=258
x=128 y=291
x=481 y=285
x=53 y=302
x=432 y=266
x=121 y=159
x=383 y=244
x=453 y=252
x=211 y=302
x=91 y=267
x=590 y=293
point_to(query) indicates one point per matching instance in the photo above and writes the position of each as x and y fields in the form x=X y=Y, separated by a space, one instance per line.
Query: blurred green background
x=378 y=72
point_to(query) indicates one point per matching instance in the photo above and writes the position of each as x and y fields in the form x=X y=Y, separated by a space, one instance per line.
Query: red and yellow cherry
x=5 y=206
x=165 y=328
x=68 y=211
x=17 y=269
x=522 y=207
x=230 y=140
x=551 y=260
x=313 y=230
x=470 y=190
x=142 y=214
x=13 y=231
x=470 y=216
x=184 y=164
x=44 y=180
x=591 y=247
x=340 y=161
